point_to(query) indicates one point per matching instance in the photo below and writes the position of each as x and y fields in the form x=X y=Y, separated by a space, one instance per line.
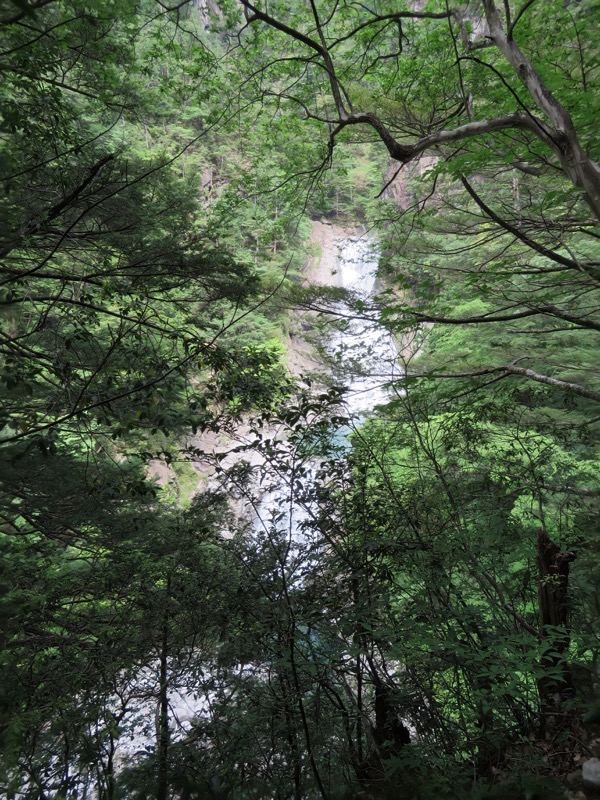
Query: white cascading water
x=364 y=359
x=364 y=353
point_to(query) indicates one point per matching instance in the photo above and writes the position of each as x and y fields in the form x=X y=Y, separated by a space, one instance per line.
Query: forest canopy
x=219 y=579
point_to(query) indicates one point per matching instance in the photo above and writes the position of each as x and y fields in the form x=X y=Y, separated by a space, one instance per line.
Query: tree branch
x=583 y=172
x=406 y=153
x=546 y=309
x=575 y=388
x=474 y=320
x=281 y=26
x=512 y=369
x=520 y=13
x=27 y=12
x=390 y=17
x=516 y=232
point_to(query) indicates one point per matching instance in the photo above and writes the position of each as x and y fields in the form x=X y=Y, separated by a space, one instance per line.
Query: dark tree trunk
x=162 y=778
x=553 y=584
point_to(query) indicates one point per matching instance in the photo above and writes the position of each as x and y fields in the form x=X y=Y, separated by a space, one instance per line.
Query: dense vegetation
x=427 y=626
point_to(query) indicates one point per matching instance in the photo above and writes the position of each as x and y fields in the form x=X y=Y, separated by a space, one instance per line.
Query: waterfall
x=363 y=352
x=363 y=359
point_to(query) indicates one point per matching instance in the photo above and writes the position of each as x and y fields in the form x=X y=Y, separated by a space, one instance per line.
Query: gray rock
x=591 y=773
x=574 y=778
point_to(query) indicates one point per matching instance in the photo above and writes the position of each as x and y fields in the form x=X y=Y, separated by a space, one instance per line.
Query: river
x=361 y=357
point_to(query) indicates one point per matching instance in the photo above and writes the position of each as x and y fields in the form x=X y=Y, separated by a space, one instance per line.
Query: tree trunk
x=162 y=733
x=583 y=172
x=553 y=583
x=110 y=770
x=290 y=731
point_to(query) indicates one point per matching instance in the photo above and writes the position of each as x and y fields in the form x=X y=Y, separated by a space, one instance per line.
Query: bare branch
x=513 y=369
x=487 y=318
x=406 y=153
x=543 y=309
x=574 y=388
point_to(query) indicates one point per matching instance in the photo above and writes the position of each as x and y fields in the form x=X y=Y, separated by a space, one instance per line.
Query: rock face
x=323 y=267
x=397 y=185
x=591 y=775
x=398 y=179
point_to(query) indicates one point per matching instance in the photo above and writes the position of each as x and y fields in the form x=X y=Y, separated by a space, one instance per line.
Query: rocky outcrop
x=398 y=180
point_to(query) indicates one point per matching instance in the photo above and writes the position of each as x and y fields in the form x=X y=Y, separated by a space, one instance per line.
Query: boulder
x=591 y=774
